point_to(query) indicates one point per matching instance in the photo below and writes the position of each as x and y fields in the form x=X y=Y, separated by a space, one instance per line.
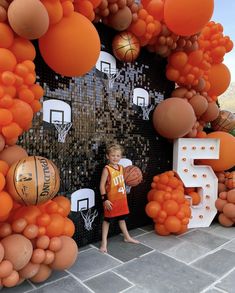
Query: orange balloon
x=187 y=18
x=152 y=209
x=172 y=224
x=161 y=229
x=178 y=60
x=23 y=49
x=4 y=167
x=21 y=109
x=6 y=203
x=56 y=226
x=43 y=274
x=6 y=35
x=7 y=60
x=82 y=46
x=219 y=78
x=171 y=207
x=226 y=156
x=54 y=10
x=69 y=227
x=63 y=202
x=225 y=221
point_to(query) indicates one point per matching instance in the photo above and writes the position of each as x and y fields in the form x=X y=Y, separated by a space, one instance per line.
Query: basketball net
x=112 y=74
x=88 y=218
x=146 y=110
x=62 y=130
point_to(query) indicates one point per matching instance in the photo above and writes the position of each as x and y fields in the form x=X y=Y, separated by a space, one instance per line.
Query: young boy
x=112 y=189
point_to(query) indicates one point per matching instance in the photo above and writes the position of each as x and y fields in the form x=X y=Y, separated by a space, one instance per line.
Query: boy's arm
x=103 y=180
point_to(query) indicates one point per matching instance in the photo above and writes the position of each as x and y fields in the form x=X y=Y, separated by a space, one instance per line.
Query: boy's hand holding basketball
x=108 y=205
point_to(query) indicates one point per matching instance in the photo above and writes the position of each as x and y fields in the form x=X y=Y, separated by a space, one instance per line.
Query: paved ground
x=201 y=260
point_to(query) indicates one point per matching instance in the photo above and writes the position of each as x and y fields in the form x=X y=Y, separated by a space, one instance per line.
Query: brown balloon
x=18 y=250
x=67 y=255
x=121 y=20
x=225 y=221
x=211 y=113
x=199 y=104
x=28 y=18
x=2 y=142
x=42 y=275
x=12 y=154
x=29 y=271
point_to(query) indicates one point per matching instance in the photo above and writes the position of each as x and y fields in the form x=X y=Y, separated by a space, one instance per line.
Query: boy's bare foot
x=131 y=240
x=103 y=248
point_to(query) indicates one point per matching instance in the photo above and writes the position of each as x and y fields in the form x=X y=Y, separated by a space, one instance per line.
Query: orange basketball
x=33 y=180
x=224 y=122
x=132 y=175
x=126 y=47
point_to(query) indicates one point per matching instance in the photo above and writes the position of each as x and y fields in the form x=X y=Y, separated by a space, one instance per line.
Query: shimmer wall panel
x=101 y=115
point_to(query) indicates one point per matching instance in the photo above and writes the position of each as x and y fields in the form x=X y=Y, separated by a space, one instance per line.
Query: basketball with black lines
x=132 y=176
x=33 y=180
x=224 y=122
x=126 y=47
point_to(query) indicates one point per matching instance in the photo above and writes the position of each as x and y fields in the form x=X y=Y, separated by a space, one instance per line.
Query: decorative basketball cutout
x=224 y=122
x=126 y=47
x=132 y=175
x=33 y=180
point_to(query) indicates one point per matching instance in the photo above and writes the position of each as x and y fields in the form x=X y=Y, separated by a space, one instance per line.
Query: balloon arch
x=182 y=32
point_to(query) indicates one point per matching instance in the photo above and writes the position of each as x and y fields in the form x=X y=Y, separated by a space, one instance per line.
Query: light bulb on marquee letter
x=202 y=177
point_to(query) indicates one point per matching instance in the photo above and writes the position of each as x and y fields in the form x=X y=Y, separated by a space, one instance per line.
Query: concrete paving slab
x=108 y=282
x=92 y=262
x=218 y=263
x=204 y=239
x=159 y=273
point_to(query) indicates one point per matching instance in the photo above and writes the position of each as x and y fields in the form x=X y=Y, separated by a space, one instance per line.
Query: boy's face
x=114 y=157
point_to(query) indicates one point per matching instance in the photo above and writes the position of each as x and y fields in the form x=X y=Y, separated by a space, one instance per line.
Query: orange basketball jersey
x=116 y=192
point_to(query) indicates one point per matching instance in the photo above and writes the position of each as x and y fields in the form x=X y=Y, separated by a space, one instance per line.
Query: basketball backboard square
x=56 y=116
x=82 y=199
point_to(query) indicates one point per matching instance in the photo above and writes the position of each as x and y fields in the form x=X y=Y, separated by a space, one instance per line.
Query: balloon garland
x=194 y=50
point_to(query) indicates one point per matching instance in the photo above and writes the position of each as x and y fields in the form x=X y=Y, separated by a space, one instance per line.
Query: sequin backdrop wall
x=100 y=116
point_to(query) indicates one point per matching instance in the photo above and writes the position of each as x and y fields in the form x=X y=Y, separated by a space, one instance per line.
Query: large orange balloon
x=187 y=17
x=28 y=18
x=12 y=154
x=173 y=118
x=77 y=51
x=219 y=78
x=226 y=155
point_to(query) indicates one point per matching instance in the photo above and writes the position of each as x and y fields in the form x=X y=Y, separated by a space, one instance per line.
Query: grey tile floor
x=201 y=260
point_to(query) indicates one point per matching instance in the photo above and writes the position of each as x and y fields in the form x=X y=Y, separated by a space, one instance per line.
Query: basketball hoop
x=62 y=130
x=112 y=74
x=88 y=218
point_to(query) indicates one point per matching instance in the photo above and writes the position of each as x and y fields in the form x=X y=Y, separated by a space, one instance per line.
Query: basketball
x=33 y=180
x=224 y=122
x=126 y=47
x=132 y=175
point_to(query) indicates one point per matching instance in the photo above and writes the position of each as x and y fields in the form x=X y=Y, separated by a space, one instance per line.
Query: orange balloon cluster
x=86 y=7
x=21 y=259
x=187 y=68
x=214 y=43
x=167 y=205
x=225 y=204
x=34 y=240
x=205 y=109
x=226 y=181
x=19 y=95
x=167 y=42
x=145 y=27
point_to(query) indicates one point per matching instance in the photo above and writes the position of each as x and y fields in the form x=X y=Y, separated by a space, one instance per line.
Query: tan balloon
x=18 y=250
x=28 y=18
